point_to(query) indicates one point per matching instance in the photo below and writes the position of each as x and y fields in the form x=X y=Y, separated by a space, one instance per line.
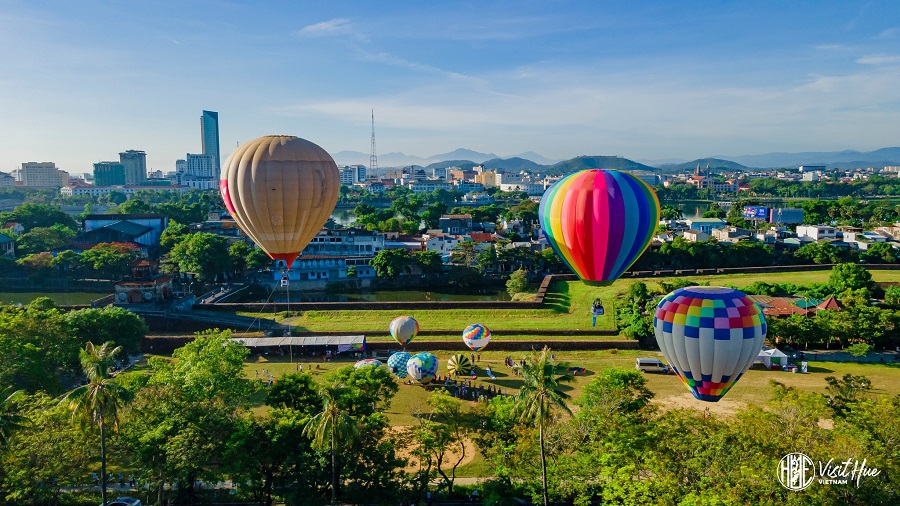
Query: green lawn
x=567 y=307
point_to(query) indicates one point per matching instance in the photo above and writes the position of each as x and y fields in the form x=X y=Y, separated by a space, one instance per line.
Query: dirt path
x=449 y=459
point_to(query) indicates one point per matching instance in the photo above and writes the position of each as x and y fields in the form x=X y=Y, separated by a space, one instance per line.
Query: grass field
x=567 y=307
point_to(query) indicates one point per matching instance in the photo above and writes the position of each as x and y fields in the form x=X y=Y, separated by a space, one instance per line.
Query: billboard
x=786 y=216
x=756 y=212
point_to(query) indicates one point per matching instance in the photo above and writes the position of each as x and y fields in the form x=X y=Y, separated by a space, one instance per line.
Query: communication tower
x=373 y=158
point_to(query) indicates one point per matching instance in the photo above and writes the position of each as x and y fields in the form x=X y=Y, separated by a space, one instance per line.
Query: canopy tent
x=342 y=343
x=769 y=356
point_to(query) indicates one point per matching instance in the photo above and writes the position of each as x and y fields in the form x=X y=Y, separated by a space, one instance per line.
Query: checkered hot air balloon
x=397 y=363
x=404 y=329
x=599 y=222
x=422 y=367
x=367 y=362
x=459 y=365
x=711 y=335
x=476 y=336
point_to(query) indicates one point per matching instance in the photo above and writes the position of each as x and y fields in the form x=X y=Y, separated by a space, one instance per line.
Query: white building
x=429 y=185
x=442 y=243
x=43 y=175
x=706 y=225
x=197 y=171
x=816 y=232
x=99 y=191
x=352 y=174
x=508 y=178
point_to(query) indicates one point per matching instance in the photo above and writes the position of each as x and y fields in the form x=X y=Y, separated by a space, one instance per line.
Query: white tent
x=767 y=354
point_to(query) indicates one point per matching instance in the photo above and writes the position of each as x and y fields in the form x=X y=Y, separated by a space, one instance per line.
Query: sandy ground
x=722 y=408
x=449 y=459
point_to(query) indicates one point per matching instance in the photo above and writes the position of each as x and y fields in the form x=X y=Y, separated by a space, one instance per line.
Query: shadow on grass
x=558 y=297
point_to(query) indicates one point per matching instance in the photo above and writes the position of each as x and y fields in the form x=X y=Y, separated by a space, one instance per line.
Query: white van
x=651 y=365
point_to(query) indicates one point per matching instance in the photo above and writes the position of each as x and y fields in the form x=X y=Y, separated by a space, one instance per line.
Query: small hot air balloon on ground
x=280 y=190
x=397 y=363
x=404 y=329
x=368 y=362
x=599 y=222
x=476 y=336
x=459 y=365
x=422 y=367
x=710 y=335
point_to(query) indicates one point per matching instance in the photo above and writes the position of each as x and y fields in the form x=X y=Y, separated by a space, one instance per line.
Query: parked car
x=124 y=501
x=651 y=365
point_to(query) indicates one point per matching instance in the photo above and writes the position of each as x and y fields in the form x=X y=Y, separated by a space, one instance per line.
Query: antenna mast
x=373 y=158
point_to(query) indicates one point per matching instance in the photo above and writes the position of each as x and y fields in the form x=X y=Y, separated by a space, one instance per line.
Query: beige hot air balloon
x=280 y=190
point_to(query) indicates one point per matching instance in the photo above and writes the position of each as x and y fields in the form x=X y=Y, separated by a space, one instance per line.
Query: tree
x=109 y=324
x=464 y=253
x=41 y=215
x=110 y=259
x=880 y=253
x=204 y=254
x=442 y=431
x=849 y=276
x=40 y=239
x=364 y=390
x=429 y=261
x=10 y=419
x=99 y=401
x=390 y=263
x=842 y=393
x=540 y=396
x=297 y=391
x=258 y=259
x=859 y=350
x=173 y=234
x=892 y=295
x=819 y=253
x=331 y=428
x=517 y=282
x=238 y=253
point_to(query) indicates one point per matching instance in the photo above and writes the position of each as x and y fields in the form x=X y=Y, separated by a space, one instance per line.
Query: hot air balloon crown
x=599 y=222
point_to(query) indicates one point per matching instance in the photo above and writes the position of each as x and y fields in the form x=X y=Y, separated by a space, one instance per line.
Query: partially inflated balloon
x=710 y=335
x=476 y=336
x=404 y=329
x=368 y=362
x=459 y=365
x=599 y=222
x=397 y=363
x=422 y=367
x=280 y=190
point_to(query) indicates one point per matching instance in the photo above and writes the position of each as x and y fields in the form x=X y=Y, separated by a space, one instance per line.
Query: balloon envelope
x=280 y=190
x=404 y=329
x=599 y=222
x=710 y=335
x=397 y=363
x=476 y=336
x=459 y=365
x=367 y=362
x=422 y=367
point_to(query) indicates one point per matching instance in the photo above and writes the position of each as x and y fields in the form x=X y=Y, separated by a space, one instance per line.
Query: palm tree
x=9 y=419
x=541 y=395
x=98 y=401
x=331 y=427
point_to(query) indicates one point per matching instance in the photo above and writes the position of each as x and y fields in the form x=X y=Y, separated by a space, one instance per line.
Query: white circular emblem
x=796 y=471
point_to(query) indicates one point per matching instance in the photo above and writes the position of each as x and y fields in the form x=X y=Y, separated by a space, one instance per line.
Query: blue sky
x=81 y=81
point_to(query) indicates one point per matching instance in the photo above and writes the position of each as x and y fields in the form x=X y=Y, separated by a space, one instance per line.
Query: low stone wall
x=269 y=307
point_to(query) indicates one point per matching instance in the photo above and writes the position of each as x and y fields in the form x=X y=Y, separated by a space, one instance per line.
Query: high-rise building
x=209 y=137
x=197 y=171
x=109 y=174
x=43 y=175
x=135 y=165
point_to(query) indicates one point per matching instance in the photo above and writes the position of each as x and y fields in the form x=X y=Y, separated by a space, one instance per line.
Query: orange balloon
x=280 y=190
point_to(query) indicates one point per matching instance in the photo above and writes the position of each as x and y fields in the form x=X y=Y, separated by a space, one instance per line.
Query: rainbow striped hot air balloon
x=711 y=335
x=599 y=222
x=476 y=336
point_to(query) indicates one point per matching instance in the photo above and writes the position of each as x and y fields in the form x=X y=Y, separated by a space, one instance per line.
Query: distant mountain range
x=839 y=159
x=466 y=158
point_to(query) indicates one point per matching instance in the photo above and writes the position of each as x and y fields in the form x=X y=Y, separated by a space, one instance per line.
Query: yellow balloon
x=280 y=190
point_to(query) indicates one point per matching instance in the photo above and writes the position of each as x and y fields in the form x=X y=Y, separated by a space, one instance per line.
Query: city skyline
x=655 y=81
